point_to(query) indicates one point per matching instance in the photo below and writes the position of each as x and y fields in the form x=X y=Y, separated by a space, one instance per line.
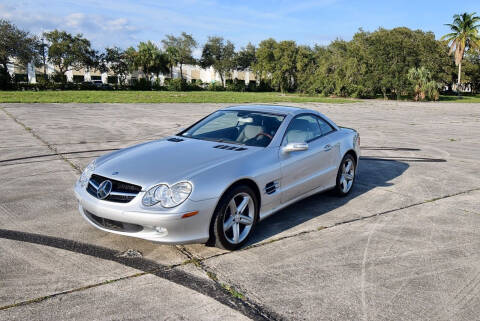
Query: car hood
x=165 y=161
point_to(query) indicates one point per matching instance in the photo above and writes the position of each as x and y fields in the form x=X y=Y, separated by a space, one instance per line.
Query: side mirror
x=295 y=147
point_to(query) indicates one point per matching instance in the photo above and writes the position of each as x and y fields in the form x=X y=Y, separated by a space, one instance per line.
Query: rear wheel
x=235 y=218
x=345 y=175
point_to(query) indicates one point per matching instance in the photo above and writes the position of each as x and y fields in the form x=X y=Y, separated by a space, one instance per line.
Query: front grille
x=121 y=192
x=114 y=225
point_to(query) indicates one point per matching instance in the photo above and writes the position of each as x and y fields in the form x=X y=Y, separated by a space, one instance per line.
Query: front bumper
x=155 y=224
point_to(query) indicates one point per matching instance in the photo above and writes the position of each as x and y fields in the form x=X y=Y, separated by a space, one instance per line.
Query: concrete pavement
x=404 y=245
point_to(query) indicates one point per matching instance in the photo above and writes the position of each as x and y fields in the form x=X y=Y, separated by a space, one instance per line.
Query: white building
x=190 y=73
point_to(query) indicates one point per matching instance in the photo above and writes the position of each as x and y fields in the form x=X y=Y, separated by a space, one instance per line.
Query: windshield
x=237 y=126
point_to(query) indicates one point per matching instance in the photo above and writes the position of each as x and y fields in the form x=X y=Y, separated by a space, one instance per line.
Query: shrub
x=264 y=86
x=196 y=85
x=5 y=80
x=87 y=85
x=236 y=85
x=158 y=86
x=431 y=90
x=252 y=86
x=43 y=82
x=214 y=86
x=141 y=84
x=176 y=84
x=423 y=87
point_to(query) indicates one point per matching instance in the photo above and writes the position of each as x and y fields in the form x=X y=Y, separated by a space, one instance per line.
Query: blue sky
x=124 y=23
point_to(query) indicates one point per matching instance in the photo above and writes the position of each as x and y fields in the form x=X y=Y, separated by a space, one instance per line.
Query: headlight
x=167 y=196
x=87 y=172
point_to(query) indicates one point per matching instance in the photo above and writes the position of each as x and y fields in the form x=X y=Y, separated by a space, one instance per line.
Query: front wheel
x=345 y=175
x=235 y=218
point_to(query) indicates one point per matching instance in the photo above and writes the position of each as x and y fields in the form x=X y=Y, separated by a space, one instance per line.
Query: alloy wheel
x=238 y=218
x=347 y=176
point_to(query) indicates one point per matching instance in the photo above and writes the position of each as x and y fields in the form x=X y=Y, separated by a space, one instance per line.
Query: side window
x=324 y=126
x=302 y=129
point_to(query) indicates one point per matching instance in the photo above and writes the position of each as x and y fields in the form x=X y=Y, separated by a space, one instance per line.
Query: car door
x=303 y=171
x=331 y=147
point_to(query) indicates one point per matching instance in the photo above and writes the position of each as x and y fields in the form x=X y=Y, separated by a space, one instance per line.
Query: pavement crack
x=83 y=288
x=205 y=287
x=255 y=308
x=320 y=228
x=58 y=154
x=76 y=168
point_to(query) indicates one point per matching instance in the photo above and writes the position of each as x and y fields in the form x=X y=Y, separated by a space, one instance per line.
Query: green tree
x=376 y=63
x=307 y=65
x=472 y=70
x=308 y=68
x=264 y=64
x=172 y=54
x=219 y=54
x=285 y=67
x=181 y=50
x=148 y=58
x=17 y=47
x=245 y=58
x=464 y=36
x=70 y=52
x=117 y=62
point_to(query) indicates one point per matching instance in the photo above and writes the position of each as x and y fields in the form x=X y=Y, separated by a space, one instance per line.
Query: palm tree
x=172 y=54
x=465 y=36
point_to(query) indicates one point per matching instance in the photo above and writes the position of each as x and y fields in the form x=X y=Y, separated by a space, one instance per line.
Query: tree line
x=389 y=63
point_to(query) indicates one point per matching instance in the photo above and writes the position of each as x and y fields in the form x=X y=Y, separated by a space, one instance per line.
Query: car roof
x=275 y=109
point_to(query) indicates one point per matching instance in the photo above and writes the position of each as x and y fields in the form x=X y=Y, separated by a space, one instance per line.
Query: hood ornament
x=104 y=189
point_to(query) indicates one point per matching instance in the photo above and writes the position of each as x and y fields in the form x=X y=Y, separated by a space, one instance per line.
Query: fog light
x=161 y=230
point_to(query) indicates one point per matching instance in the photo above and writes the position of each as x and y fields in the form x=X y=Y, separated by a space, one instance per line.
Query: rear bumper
x=154 y=224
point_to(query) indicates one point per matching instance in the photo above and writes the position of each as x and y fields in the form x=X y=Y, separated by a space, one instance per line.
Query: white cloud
x=102 y=30
x=124 y=22
x=75 y=20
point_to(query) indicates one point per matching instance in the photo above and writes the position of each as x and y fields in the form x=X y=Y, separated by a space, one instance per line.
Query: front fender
x=262 y=167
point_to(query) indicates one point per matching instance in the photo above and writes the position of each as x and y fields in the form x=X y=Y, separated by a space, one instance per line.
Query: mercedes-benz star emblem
x=104 y=189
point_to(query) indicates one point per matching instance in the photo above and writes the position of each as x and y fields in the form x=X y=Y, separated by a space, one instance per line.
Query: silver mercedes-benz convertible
x=213 y=182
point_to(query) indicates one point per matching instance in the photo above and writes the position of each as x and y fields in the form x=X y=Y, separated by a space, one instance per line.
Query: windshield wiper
x=218 y=140
x=221 y=140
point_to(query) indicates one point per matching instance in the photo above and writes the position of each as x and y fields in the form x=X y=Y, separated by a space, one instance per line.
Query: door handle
x=327 y=147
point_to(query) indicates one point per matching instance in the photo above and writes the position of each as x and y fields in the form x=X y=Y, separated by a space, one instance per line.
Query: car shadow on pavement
x=372 y=172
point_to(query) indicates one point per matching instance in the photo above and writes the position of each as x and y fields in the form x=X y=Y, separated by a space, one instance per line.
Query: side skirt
x=264 y=215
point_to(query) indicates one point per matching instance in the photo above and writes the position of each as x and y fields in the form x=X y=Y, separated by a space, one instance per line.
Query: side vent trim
x=227 y=147
x=271 y=187
x=175 y=139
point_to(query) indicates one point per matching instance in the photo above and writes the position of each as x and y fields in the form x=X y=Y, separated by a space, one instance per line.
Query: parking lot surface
x=404 y=245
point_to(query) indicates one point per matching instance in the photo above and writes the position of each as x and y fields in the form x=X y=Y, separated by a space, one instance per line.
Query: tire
x=345 y=183
x=231 y=232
